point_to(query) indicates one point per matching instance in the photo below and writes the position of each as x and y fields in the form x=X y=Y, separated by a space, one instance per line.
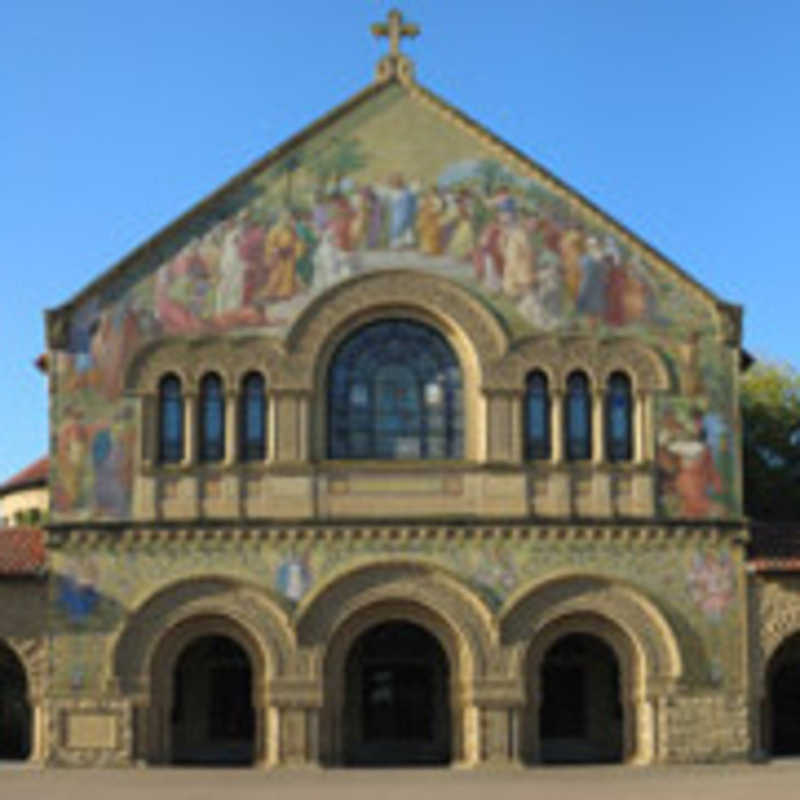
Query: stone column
x=648 y=429
x=556 y=426
x=638 y=428
x=294 y=716
x=598 y=426
x=516 y=454
x=189 y=428
x=147 y=418
x=231 y=427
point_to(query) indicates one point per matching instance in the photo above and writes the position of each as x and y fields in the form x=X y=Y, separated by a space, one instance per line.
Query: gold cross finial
x=395 y=29
x=394 y=62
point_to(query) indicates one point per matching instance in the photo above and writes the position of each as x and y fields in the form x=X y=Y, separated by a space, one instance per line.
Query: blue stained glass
x=394 y=392
x=212 y=419
x=619 y=409
x=578 y=418
x=170 y=417
x=253 y=425
x=537 y=417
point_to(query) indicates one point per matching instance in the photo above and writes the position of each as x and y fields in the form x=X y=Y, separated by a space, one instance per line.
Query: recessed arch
x=644 y=643
x=249 y=606
x=781 y=706
x=600 y=690
x=16 y=715
x=177 y=734
x=393 y=578
x=337 y=745
x=476 y=336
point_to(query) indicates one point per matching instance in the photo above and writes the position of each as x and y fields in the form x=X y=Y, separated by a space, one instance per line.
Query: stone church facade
x=396 y=450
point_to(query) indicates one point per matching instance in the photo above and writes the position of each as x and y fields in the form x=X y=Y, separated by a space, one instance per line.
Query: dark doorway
x=580 y=719
x=213 y=722
x=15 y=712
x=784 y=698
x=397 y=698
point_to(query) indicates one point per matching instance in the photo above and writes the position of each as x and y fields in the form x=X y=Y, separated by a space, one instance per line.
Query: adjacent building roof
x=35 y=474
x=22 y=552
x=774 y=548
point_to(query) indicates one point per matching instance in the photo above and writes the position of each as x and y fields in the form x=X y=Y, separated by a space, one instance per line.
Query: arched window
x=578 y=418
x=619 y=413
x=394 y=392
x=212 y=418
x=170 y=420
x=537 y=416
x=252 y=419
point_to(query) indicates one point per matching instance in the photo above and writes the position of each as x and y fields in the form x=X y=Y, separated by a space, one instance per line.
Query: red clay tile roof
x=774 y=548
x=35 y=474
x=21 y=551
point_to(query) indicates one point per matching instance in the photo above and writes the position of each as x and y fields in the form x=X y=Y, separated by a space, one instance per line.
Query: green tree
x=492 y=175
x=770 y=403
x=339 y=159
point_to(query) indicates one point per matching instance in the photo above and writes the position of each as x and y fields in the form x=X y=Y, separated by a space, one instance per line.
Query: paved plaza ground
x=775 y=781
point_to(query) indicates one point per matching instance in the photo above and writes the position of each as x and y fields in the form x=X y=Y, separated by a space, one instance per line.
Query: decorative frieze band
x=85 y=536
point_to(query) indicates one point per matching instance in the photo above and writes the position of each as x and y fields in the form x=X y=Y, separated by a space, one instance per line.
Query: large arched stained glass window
x=212 y=418
x=252 y=419
x=170 y=420
x=619 y=413
x=394 y=392
x=537 y=416
x=578 y=418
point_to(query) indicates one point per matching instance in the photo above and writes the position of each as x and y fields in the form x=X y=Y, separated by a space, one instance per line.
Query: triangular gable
x=472 y=161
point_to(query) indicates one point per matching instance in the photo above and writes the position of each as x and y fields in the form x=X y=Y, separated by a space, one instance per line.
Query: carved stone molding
x=251 y=608
x=533 y=608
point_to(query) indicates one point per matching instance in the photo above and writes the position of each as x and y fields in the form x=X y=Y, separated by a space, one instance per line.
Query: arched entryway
x=397 y=698
x=212 y=715
x=584 y=689
x=15 y=710
x=581 y=710
x=783 y=699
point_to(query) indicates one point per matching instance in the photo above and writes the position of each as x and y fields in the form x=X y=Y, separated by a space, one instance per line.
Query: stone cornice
x=616 y=531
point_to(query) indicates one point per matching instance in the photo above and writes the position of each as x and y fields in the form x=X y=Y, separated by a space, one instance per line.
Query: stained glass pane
x=212 y=419
x=619 y=406
x=170 y=420
x=253 y=425
x=537 y=417
x=394 y=392
x=578 y=418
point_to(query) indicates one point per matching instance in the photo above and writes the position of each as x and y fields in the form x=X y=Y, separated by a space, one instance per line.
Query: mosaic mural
x=697 y=588
x=391 y=186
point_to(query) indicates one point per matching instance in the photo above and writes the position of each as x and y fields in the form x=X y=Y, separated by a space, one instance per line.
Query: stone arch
x=643 y=365
x=390 y=579
x=355 y=600
x=18 y=710
x=144 y=653
x=191 y=358
x=631 y=624
x=558 y=356
x=780 y=635
x=162 y=665
x=476 y=336
x=218 y=596
x=347 y=305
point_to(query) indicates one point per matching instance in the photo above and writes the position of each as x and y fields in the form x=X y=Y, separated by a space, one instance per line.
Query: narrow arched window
x=394 y=392
x=252 y=419
x=211 y=419
x=578 y=418
x=170 y=420
x=537 y=416
x=619 y=418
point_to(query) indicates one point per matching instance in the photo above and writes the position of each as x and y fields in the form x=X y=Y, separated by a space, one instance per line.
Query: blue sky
x=681 y=119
